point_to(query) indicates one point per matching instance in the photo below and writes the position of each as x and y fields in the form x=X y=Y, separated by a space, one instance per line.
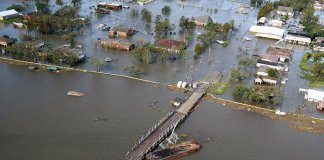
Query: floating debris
x=100 y=119
x=175 y=151
x=75 y=93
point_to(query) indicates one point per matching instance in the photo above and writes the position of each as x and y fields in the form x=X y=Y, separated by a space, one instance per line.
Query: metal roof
x=8 y=12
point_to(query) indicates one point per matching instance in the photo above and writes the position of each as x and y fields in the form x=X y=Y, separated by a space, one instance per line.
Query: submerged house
x=120 y=31
x=275 y=23
x=110 y=5
x=203 y=20
x=262 y=71
x=8 y=14
x=295 y=39
x=268 y=32
x=5 y=42
x=277 y=66
x=319 y=44
x=266 y=79
x=117 y=44
x=170 y=44
x=313 y=95
x=282 y=11
x=284 y=54
x=269 y=58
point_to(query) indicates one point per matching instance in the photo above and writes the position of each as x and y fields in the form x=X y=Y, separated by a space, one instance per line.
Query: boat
x=75 y=93
x=174 y=151
x=107 y=59
x=220 y=42
x=126 y=7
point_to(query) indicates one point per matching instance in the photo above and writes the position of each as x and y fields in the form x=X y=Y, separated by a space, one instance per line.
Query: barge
x=174 y=151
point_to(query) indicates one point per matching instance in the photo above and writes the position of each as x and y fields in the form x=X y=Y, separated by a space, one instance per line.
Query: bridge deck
x=193 y=99
x=155 y=137
x=159 y=133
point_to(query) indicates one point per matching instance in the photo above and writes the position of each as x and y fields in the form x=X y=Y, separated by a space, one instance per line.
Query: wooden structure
x=284 y=54
x=117 y=44
x=203 y=20
x=5 y=42
x=120 y=31
x=170 y=44
x=110 y=5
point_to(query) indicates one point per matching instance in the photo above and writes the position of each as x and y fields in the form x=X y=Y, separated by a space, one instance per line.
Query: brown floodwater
x=39 y=121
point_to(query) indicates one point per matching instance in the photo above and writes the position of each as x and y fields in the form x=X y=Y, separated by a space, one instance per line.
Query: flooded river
x=38 y=121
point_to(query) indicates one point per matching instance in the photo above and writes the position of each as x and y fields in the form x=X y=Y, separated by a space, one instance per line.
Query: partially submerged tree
x=133 y=70
x=97 y=62
x=166 y=10
x=147 y=15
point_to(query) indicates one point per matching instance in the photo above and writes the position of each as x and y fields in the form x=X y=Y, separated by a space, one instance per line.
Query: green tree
x=134 y=12
x=166 y=10
x=143 y=53
x=198 y=49
x=147 y=15
x=97 y=62
x=133 y=70
x=17 y=7
x=272 y=72
x=42 y=7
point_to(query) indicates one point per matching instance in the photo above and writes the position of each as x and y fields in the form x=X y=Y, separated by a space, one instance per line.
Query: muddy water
x=38 y=121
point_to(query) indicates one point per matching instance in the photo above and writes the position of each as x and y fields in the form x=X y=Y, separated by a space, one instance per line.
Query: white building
x=265 y=79
x=262 y=71
x=262 y=20
x=275 y=23
x=298 y=39
x=317 y=5
x=268 y=32
x=313 y=95
x=272 y=65
x=8 y=14
x=282 y=11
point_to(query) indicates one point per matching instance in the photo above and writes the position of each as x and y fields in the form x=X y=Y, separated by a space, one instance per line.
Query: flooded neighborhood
x=90 y=79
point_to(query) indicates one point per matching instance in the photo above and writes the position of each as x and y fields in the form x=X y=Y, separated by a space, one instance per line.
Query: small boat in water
x=107 y=59
x=75 y=93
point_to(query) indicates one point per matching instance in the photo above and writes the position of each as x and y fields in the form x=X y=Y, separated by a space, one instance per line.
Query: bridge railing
x=148 y=132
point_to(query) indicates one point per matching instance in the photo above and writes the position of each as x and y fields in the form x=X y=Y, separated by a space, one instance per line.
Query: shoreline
x=25 y=63
x=295 y=121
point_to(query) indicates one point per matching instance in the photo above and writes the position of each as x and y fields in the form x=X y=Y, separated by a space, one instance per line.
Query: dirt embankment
x=295 y=121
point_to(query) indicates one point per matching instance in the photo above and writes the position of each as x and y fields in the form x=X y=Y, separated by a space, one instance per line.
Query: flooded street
x=38 y=121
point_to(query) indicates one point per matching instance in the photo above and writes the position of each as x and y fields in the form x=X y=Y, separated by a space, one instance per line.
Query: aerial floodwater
x=39 y=121
x=97 y=107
